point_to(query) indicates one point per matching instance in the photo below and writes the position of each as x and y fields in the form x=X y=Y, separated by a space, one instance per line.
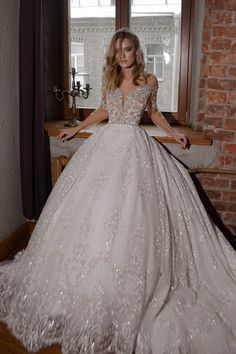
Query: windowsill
x=195 y=137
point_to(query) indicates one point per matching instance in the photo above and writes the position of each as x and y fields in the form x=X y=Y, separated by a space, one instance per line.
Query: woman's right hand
x=67 y=133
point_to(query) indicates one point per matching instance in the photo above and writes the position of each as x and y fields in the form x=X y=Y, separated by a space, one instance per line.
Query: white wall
x=11 y=215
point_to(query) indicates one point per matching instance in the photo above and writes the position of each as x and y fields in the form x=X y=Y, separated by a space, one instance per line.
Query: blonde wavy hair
x=112 y=74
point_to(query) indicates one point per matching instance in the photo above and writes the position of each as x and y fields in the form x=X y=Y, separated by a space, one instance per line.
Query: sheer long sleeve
x=152 y=100
x=103 y=102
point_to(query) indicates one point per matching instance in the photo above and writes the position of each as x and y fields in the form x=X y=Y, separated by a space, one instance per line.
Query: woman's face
x=125 y=53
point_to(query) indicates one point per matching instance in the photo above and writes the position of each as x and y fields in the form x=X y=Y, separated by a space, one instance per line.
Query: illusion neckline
x=124 y=99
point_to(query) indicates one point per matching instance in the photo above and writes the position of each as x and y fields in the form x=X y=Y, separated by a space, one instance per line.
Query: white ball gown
x=124 y=257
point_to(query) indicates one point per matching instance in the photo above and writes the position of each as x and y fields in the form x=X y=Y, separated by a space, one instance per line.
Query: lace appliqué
x=124 y=257
x=152 y=99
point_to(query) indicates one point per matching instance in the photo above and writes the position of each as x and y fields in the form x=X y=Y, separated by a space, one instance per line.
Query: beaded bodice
x=130 y=109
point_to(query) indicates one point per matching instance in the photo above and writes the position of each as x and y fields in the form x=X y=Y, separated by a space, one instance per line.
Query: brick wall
x=217 y=102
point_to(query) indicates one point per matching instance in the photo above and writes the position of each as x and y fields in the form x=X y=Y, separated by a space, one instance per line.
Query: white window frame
x=157 y=59
x=76 y=56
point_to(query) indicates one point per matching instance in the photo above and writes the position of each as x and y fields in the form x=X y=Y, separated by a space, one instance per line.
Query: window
x=154 y=59
x=92 y=3
x=91 y=23
x=77 y=60
x=165 y=31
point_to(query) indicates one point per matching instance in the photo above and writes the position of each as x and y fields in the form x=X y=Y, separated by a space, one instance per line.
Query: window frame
x=123 y=13
x=81 y=76
x=157 y=59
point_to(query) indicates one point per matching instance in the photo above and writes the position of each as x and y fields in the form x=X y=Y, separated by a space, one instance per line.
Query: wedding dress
x=124 y=257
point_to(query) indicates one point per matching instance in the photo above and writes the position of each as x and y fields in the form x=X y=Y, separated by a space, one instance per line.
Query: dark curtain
x=34 y=143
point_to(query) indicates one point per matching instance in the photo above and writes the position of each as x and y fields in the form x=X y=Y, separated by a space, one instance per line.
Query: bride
x=124 y=258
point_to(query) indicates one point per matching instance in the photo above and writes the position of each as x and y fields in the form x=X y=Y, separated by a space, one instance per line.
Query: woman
x=124 y=258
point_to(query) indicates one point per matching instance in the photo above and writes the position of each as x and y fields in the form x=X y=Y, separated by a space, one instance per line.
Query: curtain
x=34 y=143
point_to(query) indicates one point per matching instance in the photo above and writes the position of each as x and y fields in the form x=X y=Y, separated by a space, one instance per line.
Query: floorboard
x=10 y=345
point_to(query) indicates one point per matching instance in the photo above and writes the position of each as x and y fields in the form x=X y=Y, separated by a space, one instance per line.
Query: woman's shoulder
x=152 y=80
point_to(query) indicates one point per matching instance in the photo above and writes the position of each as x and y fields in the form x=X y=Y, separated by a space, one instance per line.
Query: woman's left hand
x=182 y=140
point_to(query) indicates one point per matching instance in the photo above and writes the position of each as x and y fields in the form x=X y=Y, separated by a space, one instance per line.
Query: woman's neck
x=128 y=74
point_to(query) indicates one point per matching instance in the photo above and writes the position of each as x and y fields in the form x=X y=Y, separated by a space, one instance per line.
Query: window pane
x=77 y=48
x=92 y=23
x=154 y=49
x=158 y=23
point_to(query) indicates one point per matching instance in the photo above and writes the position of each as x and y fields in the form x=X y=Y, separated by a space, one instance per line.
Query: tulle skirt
x=123 y=259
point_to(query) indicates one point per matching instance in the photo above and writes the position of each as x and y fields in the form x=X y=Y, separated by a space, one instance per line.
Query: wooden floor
x=10 y=345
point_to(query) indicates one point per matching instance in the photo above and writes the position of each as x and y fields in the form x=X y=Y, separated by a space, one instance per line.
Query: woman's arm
x=161 y=122
x=96 y=116
x=157 y=117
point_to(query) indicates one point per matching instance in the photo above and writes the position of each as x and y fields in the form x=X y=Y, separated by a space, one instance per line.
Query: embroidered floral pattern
x=124 y=258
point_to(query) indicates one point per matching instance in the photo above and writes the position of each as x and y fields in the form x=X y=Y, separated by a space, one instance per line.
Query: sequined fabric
x=124 y=258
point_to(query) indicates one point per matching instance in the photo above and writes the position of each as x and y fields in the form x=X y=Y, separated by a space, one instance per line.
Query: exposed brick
x=231 y=112
x=231 y=99
x=216 y=111
x=227 y=161
x=199 y=126
x=225 y=206
x=230 y=161
x=223 y=58
x=210 y=3
x=221 y=43
x=231 y=228
x=220 y=135
x=230 y=196
x=202 y=93
x=216 y=70
x=223 y=17
x=202 y=83
x=225 y=4
x=232 y=71
x=230 y=124
x=215 y=195
x=201 y=106
x=207 y=11
x=207 y=22
x=224 y=31
x=206 y=36
x=233 y=48
x=205 y=47
x=223 y=176
x=229 y=148
x=220 y=161
x=204 y=58
x=229 y=218
x=229 y=176
x=220 y=84
x=216 y=97
x=204 y=71
x=201 y=116
x=213 y=122
x=213 y=183
x=233 y=184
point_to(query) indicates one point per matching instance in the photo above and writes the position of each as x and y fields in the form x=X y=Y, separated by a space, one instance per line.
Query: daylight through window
x=156 y=22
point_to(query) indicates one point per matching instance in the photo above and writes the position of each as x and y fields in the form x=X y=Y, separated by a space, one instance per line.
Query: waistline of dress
x=124 y=125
